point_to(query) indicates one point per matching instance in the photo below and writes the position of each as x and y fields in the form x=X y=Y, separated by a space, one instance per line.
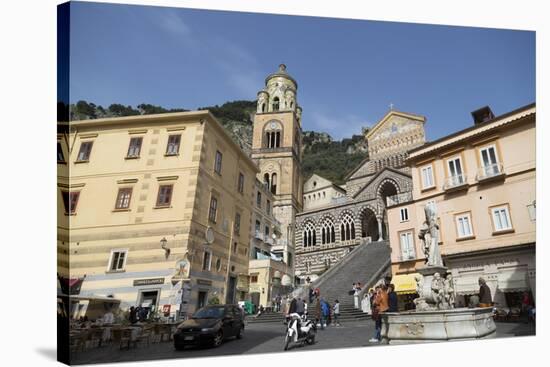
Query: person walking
x=366 y=302
x=485 y=299
x=336 y=313
x=318 y=311
x=392 y=299
x=325 y=312
x=292 y=307
x=380 y=306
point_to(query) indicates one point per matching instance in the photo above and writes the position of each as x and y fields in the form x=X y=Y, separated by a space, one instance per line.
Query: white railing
x=407 y=257
x=455 y=181
x=491 y=170
x=259 y=235
x=403 y=197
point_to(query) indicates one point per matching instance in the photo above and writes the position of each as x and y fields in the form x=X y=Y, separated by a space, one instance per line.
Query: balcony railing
x=490 y=171
x=407 y=257
x=401 y=198
x=259 y=235
x=454 y=182
x=269 y=239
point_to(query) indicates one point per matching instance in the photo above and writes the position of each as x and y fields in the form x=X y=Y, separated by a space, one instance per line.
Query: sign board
x=153 y=281
x=166 y=310
x=243 y=282
x=204 y=282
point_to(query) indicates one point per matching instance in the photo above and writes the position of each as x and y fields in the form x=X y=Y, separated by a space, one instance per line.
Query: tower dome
x=281 y=73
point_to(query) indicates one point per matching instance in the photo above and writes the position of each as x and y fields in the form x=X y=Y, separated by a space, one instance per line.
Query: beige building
x=320 y=192
x=267 y=267
x=276 y=148
x=481 y=181
x=155 y=210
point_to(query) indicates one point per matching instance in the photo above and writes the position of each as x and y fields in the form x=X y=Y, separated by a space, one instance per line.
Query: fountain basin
x=437 y=326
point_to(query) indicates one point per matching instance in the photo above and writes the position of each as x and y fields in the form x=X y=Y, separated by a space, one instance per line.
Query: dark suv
x=210 y=325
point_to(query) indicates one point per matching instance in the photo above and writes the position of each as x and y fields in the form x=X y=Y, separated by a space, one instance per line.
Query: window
x=237 y=223
x=464 y=225
x=276 y=104
x=268 y=207
x=501 y=218
x=258 y=226
x=70 y=200
x=309 y=235
x=206 y=260
x=253 y=278
x=328 y=234
x=85 y=151
x=347 y=228
x=266 y=232
x=427 y=177
x=259 y=200
x=240 y=184
x=218 y=265
x=407 y=246
x=235 y=247
x=173 y=146
x=118 y=260
x=489 y=161
x=134 y=148
x=274 y=183
x=404 y=214
x=164 y=197
x=123 y=198
x=218 y=163
x=456 y=176
x=60 y=157
x=213 y=210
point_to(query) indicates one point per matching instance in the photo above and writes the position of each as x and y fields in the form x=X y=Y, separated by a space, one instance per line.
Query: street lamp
x=163 y=243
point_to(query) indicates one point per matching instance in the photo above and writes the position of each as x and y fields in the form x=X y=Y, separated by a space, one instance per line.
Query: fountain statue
x=435 y=317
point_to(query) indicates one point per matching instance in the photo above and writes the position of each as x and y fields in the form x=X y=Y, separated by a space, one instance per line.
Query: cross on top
x=391 y=106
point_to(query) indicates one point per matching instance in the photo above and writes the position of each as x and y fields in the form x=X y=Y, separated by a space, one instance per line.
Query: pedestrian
x=380 y=306
x=366 y=302
x=278 y=303
x=392 y=299
x=336 y=312
x=325 y=313
x=133 y=315
x=318 y=311
x=485 y=299
x=356 y=296
x=310 y=294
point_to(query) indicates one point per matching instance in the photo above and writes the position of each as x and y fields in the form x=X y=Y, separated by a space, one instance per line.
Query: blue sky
x=348 y=71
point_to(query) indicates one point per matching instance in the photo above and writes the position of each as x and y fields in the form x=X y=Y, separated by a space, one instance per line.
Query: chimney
x=482 y=115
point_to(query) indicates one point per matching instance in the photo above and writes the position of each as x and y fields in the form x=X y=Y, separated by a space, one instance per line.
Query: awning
x=513 y=281
x=467 y=285
x=405 y=283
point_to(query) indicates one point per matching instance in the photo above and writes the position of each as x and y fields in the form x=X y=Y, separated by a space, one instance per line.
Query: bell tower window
x=266 y=180
x=274 y=183
x=276 y=104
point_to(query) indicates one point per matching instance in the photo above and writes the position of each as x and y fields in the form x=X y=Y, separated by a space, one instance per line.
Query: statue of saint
x=432 y=241
x=449 y=291
x=438 y=292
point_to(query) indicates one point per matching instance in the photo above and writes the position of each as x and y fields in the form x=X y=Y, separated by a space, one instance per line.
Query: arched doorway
x=386 y=189
x=369 y=224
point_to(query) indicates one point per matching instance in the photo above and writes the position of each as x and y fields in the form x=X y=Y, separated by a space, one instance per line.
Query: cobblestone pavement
x=263 y=338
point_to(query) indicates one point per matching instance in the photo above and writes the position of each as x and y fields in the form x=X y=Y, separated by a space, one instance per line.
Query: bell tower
x=276 y=148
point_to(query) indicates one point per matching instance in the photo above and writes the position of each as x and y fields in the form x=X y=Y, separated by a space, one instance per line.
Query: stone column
x=380 y=237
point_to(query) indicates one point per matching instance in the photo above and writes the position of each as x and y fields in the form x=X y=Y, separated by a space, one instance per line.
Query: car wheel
x=240 y=333
x=179 y=347
x=218 y=339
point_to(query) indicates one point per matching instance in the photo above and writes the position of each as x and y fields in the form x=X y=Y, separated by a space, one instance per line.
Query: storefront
x=510 y=274
x=405 y=287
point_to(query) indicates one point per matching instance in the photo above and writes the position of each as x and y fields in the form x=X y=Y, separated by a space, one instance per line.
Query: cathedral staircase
x=367 y=263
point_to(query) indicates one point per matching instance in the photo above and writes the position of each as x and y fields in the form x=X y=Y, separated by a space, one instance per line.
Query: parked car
x=210 y=325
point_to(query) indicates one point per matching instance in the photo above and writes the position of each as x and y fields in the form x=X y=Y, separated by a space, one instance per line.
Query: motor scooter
x=300 y=330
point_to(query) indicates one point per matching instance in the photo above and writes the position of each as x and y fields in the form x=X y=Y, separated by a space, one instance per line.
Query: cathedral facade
x=335 y=219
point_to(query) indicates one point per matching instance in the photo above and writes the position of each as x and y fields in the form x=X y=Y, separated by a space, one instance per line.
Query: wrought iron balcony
x=401 y=198
x=489 y=172
x=455 y=182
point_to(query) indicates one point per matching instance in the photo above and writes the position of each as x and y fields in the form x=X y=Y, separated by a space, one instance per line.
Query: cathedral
x=320 y=221
x=335 y=219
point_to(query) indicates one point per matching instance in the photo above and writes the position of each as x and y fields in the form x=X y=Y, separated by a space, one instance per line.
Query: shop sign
x=153 y=281
x=204 y=282
x=243 y=282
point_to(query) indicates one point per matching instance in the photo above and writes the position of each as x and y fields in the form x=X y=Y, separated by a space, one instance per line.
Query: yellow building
x=481 y=181
x=155 y=210
x=267 y=268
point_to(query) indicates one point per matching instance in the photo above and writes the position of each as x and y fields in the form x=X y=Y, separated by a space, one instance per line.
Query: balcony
x=259 y=235
x=457 y=182
x=401 y=198
x=406 y=257
x=269 y=240
x=490 y=172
